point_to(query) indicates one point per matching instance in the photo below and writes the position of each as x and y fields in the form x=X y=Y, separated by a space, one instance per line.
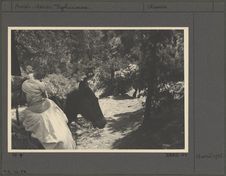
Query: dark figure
x=83 y=101
x=138 y=84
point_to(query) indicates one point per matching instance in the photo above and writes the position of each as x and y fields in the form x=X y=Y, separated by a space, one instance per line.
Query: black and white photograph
x=98 y=89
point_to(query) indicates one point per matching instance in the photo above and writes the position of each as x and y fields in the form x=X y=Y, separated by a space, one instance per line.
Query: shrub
x=58 y=85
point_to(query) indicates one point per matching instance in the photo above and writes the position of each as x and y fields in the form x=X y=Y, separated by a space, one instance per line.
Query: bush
x=121 y=81
x=58 y=85
x=169 y=95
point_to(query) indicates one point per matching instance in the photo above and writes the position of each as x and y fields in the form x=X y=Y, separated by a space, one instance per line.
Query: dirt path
x=123 y=115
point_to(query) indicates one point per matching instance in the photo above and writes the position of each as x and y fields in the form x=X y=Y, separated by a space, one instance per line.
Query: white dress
x=49 y=127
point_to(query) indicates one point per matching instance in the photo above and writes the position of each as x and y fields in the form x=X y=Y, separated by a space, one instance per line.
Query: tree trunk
x=152 y=84
x=15 y=67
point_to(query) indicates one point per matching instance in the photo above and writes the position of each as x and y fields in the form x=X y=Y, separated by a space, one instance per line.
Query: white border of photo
x=186 y=93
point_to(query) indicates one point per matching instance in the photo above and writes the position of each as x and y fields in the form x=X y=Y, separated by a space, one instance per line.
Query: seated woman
x=44 y=119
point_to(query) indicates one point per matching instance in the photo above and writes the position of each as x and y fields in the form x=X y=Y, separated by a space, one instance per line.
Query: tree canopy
x=63 y=57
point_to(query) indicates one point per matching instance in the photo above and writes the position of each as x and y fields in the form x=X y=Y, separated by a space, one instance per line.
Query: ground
x=124 y=129
x=123 y=114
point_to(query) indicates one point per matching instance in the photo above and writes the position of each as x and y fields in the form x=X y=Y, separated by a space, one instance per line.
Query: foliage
x=58 y=85
x=125 y=78
x=64 y=57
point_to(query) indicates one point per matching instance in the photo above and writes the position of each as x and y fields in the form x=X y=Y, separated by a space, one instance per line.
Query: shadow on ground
x=164 y=132
x=126 y=121
x=165 y=138
x=122 y=97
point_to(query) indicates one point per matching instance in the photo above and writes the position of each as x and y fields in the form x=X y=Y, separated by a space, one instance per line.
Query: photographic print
x=98 y=89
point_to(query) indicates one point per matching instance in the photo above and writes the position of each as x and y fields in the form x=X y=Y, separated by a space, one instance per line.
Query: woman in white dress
x=44 y=119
